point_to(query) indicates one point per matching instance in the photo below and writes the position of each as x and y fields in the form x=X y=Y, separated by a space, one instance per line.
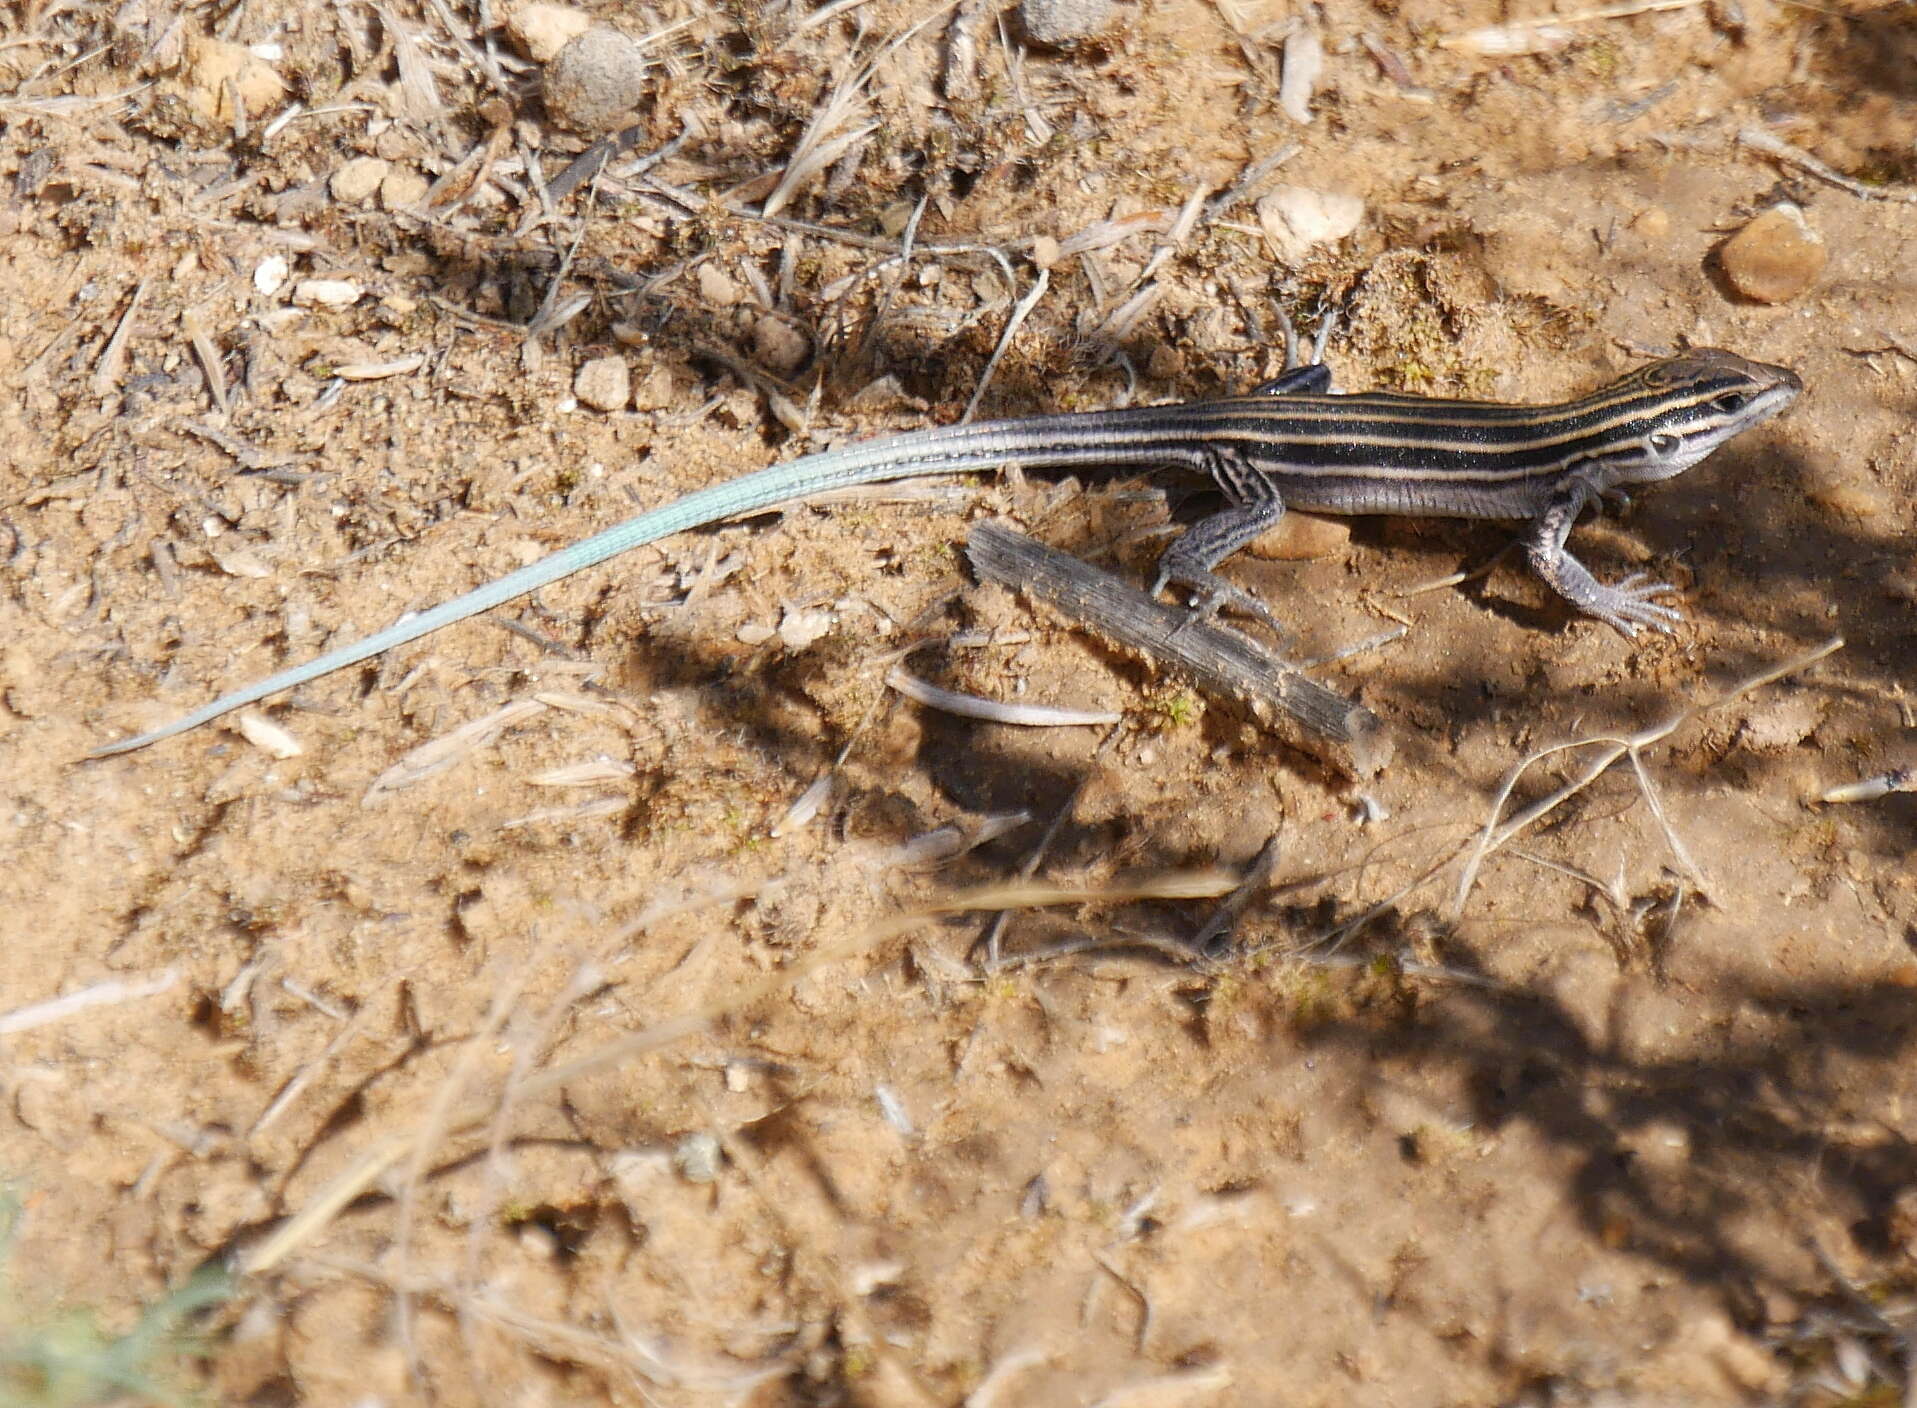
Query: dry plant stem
x=1220 y=661
x=109 y=993
x=816 y=148
x=416 y=1143
x=209 y=359
x=1019 y=314
x=972 y=706
x=586 y=978
x=1759 y=140
x=850 y=1306
x=1606 y=12
x=1225 y=917
x=441 y=1121
x=868 y=340
x=306 y=1074
x=106 y=375
x=1495 y=835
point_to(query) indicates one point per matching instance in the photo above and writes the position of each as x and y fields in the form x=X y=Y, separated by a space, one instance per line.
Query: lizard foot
x=1212 y=593
x=1628 y=605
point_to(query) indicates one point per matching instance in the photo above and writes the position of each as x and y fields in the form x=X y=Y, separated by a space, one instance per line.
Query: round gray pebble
x=1063 y=22
x=593 y=84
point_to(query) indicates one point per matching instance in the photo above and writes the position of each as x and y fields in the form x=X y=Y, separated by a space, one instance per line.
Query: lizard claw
x=1628 y=605
x=1212 y=593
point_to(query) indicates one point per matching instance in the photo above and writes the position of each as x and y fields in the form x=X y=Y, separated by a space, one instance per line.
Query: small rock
x=1295 y=219
x=217 y=69
x=543 y=30
x=358 y=179
x=1063 y=22
x=1298 y=76
x=716 y=288
x=1775 y=258
x=269 y=276
x=595 y=82
x=1781 y=722
x=604 y=383
x=781 y=347
x=801 y=628
x=1302 y=537
x=697 y=1157
x=402 y=188
x=268 y=736
x=655 y=392
x=325 y=293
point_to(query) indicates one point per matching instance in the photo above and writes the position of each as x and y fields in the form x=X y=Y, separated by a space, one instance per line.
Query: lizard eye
x=1664 y=444
x=1731 y=402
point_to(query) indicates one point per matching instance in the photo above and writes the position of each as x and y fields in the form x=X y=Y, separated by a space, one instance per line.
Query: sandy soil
x=1634 y=1125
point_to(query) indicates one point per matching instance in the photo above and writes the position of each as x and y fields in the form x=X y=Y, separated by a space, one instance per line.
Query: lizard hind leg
x=1255 y=508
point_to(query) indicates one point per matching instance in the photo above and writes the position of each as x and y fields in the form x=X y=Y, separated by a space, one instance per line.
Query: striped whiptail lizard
x=1290 y=441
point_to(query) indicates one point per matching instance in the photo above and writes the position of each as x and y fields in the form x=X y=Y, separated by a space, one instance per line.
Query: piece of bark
x=1304 y=713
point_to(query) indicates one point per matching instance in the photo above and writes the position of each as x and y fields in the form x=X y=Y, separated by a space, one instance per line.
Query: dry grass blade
x=1019 y=314
x=106 y=375
x=392 y=1149
x=106 y=994
x=1759 y=140
x=208 y=356
x=430 y=759
x=972 y=706
x=1550 y=31
x=817 y=146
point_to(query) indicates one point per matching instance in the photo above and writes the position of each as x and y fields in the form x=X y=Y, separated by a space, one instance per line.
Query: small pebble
x=269 y=276
x=801 y=628
x=268 y=736
x=1302 y=537
x=1304 y=62
x=781 y=347
x=1775 y=258
x=697 y=1157
x=325 y=293
x=655 y=391
x=1063 y=22
x=216 y=69
x=543 y=30
x=358 y=179
x=595 y=82
x=402 y=188
x=717 y=288
x=604 y=383
x=1296 y=218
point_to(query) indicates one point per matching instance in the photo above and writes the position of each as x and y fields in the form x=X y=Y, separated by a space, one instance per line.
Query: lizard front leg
x=1625 y=606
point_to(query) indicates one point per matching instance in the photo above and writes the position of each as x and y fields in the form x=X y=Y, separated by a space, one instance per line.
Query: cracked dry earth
x=537 y=1070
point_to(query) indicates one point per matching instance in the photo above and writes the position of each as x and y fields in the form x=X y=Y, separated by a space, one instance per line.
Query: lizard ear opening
x=1663 y=444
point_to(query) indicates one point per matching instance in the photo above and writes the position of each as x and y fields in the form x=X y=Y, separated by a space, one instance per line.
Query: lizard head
x=1691 y=404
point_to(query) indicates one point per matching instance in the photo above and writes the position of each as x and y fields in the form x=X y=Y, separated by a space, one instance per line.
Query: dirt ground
x=567 y=1064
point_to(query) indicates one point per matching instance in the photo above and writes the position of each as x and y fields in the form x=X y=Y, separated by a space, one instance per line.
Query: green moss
x=64 y=1358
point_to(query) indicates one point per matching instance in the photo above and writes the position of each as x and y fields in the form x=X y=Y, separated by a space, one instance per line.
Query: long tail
x=1067 y=439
